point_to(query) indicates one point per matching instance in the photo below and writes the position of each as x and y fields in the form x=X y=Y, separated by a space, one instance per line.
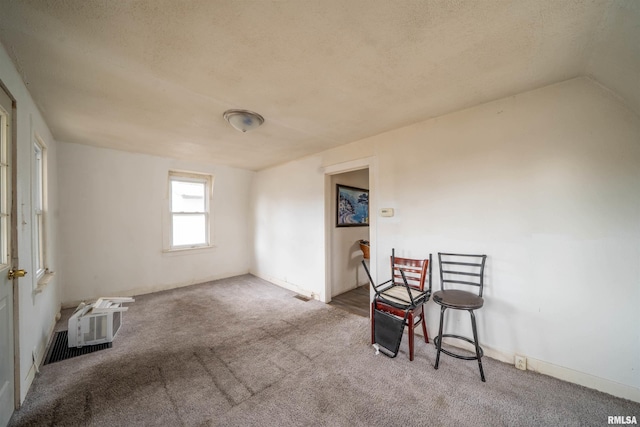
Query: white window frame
x=39 y=203
x=205 y=179
x=5 y=254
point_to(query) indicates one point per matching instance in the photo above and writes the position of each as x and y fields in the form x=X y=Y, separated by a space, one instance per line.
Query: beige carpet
x=243 y=352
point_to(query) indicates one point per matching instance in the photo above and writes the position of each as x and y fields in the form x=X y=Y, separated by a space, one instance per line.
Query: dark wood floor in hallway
x=355 y=301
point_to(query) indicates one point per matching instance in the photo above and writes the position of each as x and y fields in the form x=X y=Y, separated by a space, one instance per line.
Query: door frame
x=13 y=246
x=370 y=163
x=15 y=263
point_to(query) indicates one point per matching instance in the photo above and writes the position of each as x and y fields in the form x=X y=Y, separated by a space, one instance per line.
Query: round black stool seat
x=457 y=299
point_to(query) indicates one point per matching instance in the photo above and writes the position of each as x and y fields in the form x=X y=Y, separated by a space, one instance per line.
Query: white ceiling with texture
x=155 y=76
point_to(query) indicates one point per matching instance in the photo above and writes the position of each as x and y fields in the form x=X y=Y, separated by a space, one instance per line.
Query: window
x=189 y=209
x=39 y=198
x=4 y=188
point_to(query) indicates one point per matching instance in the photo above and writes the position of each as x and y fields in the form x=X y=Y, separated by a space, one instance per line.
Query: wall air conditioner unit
x=96 y=323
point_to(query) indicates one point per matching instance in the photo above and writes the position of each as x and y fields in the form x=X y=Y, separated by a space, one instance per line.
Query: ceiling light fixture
x=243 y=120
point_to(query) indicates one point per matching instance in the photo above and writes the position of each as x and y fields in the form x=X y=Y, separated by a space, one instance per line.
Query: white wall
x=347 y=272
x=287 y=225
x=113 y=210
x=545 y=183
x=37 y=311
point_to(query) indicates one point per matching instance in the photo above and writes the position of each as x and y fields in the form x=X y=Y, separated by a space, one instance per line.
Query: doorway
x=343 y=256
x=347 y=272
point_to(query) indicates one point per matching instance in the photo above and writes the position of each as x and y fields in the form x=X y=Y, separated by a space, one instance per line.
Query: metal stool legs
x=438 y=342
x=475 y=340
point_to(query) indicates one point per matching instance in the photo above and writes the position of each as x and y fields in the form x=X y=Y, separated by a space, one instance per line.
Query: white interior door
x=7 y=367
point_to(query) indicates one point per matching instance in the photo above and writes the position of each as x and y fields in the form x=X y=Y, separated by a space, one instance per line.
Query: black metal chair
x=399 y=302
x=466 y=270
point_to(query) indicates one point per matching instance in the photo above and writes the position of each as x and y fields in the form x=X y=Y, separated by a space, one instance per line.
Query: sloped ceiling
x=155 y=76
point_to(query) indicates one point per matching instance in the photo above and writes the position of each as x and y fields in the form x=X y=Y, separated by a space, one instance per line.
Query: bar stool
x=466 y=270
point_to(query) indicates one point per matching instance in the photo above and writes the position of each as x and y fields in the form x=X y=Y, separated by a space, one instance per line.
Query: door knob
x=16 y=273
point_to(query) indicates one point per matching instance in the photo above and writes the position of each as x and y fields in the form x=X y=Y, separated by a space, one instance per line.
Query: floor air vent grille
x=60 y=351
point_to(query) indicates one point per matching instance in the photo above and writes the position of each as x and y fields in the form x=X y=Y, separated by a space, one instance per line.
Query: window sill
x=43 y=281
x=188 y=251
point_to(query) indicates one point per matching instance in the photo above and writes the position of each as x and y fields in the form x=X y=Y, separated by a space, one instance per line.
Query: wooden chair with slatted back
x=397 y=300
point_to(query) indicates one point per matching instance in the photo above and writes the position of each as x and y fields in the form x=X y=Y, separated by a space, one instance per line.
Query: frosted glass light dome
x=243 y=120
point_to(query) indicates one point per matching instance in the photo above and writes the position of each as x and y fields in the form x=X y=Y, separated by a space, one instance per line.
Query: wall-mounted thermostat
x=386 y=212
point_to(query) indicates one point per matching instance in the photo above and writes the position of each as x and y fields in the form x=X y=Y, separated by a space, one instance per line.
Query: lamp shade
x=243 y=120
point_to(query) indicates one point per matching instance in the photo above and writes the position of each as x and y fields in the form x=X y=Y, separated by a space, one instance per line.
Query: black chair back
x=462 y=269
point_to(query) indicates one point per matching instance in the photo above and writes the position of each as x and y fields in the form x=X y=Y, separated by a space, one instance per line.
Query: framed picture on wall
x=352 y=206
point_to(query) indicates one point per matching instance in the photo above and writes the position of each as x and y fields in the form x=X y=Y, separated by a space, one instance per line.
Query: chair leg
x=439 y=337
x=373 y=329
x=410 y=324
x=475 y=339
x=424 y=325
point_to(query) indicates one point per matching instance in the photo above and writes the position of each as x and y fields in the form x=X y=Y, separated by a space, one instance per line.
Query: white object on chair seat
x=399 y=294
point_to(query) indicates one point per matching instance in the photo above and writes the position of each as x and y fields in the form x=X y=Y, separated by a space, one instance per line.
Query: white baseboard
x=290 y=286
x=566 y=374
x=584 y=379
x=148 y=290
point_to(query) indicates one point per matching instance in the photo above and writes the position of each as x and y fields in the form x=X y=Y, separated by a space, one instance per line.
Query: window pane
x=187 y=196
x=40 y=242
x=4 y=191
x=37 y=250
x=38 y=177
x=189 y=230
x=38 y=188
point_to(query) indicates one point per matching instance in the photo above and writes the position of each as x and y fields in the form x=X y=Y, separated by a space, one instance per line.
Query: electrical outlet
x=521 y=362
